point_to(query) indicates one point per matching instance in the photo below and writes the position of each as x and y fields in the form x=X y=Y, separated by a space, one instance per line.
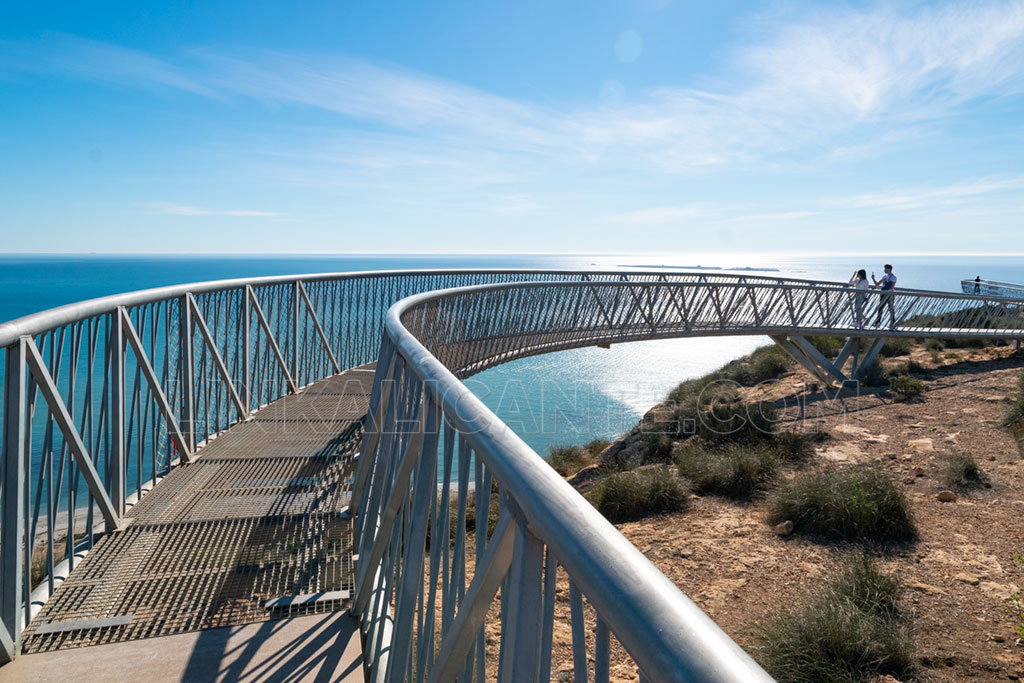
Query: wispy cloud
x=663 y=215
x=57 y=54
x=185 y=210
x=818 y=82
x=909 y=199
x=774 y=217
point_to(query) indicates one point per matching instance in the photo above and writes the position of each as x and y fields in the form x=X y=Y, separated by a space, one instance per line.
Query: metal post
x=188 y=409
x=246 y=349
x=295 y=333
x=115 y=342
x=13 y=520
x=524 y=624
x=870 y=356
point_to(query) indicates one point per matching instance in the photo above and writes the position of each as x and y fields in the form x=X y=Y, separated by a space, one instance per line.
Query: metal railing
x=1007 y=290
x=426 y=598
x=102 y=398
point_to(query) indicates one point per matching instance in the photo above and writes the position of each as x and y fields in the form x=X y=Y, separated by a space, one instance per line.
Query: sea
x=564 y=398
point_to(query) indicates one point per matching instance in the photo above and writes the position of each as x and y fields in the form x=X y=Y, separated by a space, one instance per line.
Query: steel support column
x=800 y=357
x=819 y=358
x=869 y=357
x=15 y=498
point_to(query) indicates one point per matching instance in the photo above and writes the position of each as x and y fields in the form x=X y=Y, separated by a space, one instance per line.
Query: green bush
x=1013 y=420
x=797 y=446
x=763 y=364
x=850 y=630
x=873 y=375
x=906 y=387
x=906 y=367
x=828 y=346
x=656 y=446
x=966 y=343
x=934 y=344
x=628 y=496
x=896 y=346
x=737 y=470
x=735 y=422
x=567 y=460
x=960 y=471
x=853 y=503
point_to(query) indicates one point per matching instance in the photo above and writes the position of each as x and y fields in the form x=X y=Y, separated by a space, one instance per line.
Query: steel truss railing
x=426 y=586
x=101 y=399
x=993 y=288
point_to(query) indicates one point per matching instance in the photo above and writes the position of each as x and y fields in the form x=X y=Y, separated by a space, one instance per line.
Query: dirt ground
x=958 y=576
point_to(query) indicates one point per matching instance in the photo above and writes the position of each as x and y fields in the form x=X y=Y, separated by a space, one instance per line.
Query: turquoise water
x=560 y=398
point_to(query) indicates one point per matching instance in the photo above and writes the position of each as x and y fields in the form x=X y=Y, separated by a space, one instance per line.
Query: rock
x=923 y=445
x=926 y=588
x=1001 y=590
x=892 y=456
x=627 y=450
x=996 y=638
x=946 y=496
x=784 y=529
x=585 y=478
x=967 y=578
x=887 y=679
x=918 y=471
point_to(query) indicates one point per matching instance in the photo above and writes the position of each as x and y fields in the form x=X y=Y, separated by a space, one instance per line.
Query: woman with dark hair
x=860 y=281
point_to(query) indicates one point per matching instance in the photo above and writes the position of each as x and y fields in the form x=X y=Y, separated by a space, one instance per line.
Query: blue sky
x=642 y=126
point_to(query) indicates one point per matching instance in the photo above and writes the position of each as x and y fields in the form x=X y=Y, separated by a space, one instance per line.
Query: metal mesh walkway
x=251 y=530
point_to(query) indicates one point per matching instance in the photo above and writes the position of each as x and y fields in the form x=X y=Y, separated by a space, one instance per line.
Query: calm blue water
x=567 y=397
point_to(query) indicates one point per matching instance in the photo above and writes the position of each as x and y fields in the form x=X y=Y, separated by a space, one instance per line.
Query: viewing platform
x=283 y=478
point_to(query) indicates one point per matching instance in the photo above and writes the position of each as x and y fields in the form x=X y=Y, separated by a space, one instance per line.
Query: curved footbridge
x=284 y=478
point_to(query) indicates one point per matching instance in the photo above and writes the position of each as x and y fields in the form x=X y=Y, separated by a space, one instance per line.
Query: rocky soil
x=958 y=576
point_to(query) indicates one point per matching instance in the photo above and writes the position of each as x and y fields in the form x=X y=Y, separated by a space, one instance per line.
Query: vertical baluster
x=13 y=521
x=186 y=359
x=522 y=631
x=581 y=671
x=548 y=615
x=115 y=342
x=601 y=651
x=299 y=381
x=425 y=488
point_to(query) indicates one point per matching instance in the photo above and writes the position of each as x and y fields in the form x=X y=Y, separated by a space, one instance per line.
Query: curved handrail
x=116 y=391
x=435 y=339
x=44 y=321
x=667 y=635
x=142 y=379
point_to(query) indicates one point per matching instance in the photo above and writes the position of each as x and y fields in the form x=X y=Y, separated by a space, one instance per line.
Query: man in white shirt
x=887 y=283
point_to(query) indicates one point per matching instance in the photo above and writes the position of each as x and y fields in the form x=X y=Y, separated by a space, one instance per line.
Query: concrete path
x=321 y=648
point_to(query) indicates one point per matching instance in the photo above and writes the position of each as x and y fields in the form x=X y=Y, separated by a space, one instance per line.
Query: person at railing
x=860 y=281
x=977 y=285
x=885 y=298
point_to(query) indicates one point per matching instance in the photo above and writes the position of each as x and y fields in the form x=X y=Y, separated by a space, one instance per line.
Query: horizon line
x=630 y=254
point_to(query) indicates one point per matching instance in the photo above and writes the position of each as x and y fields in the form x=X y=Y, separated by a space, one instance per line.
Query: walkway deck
x=252 y=530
